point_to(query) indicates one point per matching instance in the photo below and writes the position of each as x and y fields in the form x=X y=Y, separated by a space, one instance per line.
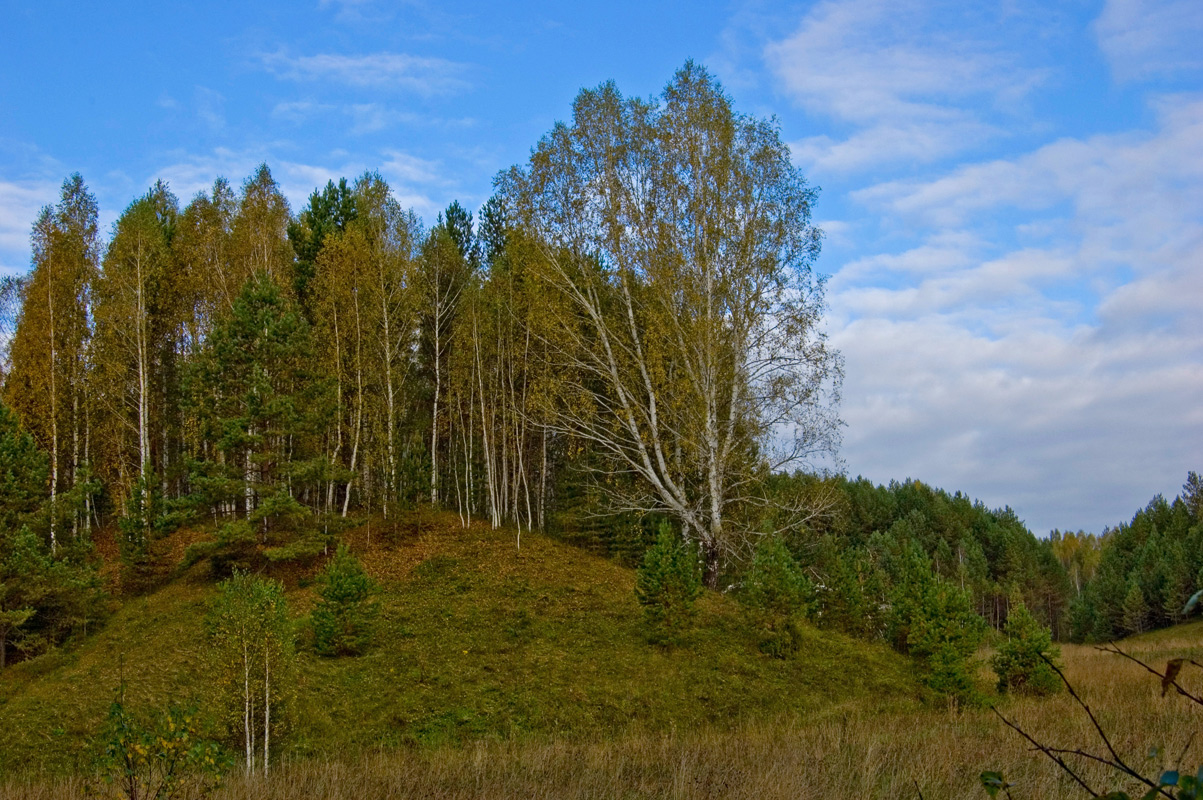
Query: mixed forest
x=622 y=349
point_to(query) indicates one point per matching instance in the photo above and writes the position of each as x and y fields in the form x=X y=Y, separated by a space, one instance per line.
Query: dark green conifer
x=667 y=584
x=1020 y=661
x=344 y=619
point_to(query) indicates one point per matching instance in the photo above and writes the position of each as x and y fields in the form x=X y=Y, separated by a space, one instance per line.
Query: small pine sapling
x=778 y=595
x=1023 y=658
x=945 y=636
x=667 y=584
x=344 y=619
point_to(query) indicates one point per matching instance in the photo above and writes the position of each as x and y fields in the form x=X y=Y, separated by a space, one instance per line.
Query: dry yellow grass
x=842 y=753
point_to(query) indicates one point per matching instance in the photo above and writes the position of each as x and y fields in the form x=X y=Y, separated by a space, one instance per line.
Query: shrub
x=667 y=584
x=345 y=616
x=169 y=759
x=1019 y=662
x=778 y=595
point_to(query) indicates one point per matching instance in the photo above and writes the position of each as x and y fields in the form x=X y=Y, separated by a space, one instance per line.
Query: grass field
x=479 y=641
x=507 y=674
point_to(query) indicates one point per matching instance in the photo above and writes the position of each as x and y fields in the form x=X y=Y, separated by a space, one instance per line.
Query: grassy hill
x=478 y=640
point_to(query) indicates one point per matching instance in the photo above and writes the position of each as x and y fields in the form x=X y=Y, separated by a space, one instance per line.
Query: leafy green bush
x=1019 y=662
x=778 y=595
x=667 y=584
x=168 y=759
x=344 y=619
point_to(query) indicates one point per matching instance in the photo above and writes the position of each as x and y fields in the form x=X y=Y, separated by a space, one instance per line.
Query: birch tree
x=202 y=250
x=253 y=652
x=447 y=267
x=259 y=236
x=46 y=385
x=133 y=332
x=341 y=300
x=679 y=233
x=393 y=237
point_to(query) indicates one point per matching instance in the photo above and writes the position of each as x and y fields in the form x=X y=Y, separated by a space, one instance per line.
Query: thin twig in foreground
x=1048 y=751
x=1172 y=682
x=1118 y=762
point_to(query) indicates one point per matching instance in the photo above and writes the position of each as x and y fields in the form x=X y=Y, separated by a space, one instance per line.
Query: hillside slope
x=478 y=639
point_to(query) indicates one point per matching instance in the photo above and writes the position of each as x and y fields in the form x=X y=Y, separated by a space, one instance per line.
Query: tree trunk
x=267 y=705
x=246 y=708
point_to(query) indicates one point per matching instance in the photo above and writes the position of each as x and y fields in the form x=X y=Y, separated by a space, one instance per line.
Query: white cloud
x=415 y=181
x=20 y=203
x=410 y=168
x=1111 y=179
x=373 y=117
x=900 y=74
x=1043 y=419
x=366 y=118
x=299 y=111
x=422 y=75
x=919 y=141
x=1060 y=376
x=1147 y=38
x=362 y=12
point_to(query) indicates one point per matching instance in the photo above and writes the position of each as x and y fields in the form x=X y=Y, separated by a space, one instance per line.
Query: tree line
x=629 y=326
x=1139 y=575
x=628 y=332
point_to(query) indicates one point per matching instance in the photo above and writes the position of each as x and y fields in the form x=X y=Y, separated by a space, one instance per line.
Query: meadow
x=507 y=673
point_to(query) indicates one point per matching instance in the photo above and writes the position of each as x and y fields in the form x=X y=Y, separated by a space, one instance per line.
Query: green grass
x=477 y=640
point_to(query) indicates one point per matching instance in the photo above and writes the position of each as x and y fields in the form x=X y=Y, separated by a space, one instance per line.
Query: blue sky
x=1012 y=192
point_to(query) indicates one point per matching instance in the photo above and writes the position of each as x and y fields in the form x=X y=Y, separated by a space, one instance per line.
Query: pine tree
x=944 y=635
x=23 y=473
x=344 y=617
x=330 y=211
x=1135 y=608
x=778 y=595
x=667 y=584
x=43 y=599
x=253 y=391
x=1019 y=662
